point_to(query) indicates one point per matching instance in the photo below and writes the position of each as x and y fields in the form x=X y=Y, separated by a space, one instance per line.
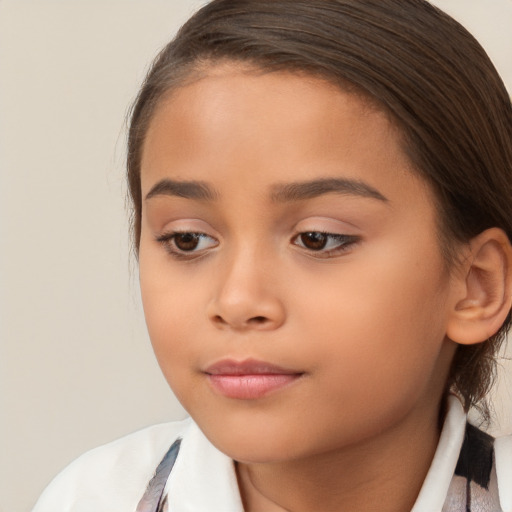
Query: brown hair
x=420 y=65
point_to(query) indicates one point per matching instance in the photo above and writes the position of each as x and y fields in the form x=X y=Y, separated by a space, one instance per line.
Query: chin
x=254 y=441
x=256 y=450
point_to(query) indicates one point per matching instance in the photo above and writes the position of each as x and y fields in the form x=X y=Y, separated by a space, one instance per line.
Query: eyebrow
x=186 y=189
x=286 y=192
x=309 y=189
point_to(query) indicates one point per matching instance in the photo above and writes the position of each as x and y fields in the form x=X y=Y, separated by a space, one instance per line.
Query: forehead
x=281 y=126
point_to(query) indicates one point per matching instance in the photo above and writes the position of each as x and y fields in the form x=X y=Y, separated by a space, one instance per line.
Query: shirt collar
x=205 y=479
x=437 y=482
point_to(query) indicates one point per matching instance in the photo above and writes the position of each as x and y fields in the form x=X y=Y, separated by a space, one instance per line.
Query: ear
x=484 y=291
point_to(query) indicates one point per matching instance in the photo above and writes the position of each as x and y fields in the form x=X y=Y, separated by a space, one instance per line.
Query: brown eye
x=186 y=241
x=325 y=245
x=187 y=244
x=314 y=241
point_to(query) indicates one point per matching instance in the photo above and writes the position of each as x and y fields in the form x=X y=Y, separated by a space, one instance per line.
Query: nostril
x=218 y=319
x=254 y=321
x=258 y=320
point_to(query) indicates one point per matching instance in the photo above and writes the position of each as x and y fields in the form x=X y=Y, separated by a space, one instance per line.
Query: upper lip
x=247 y=367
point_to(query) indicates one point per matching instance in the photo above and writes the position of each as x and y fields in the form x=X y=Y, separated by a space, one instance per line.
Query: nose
x=245 y=297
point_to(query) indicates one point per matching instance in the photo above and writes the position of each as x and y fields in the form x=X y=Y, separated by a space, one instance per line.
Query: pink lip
x=249 y=379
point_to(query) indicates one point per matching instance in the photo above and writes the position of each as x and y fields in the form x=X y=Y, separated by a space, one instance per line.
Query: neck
x=387 y=469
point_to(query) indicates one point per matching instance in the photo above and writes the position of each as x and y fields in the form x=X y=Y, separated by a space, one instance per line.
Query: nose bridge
x=246 y=295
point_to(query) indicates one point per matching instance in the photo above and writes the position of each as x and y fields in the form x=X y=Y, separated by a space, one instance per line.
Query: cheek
x=171 y=325
x=170 y=302
x=380 y=321
x=172 y=320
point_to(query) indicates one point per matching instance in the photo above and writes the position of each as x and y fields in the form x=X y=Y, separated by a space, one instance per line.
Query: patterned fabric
x=153 y=500
x=473 y=487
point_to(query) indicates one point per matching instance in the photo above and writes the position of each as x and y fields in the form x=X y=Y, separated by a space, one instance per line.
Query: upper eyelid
x=167 y=235
x=326 y=224
x=349 y=233
x=172 y=232
x=328 y=234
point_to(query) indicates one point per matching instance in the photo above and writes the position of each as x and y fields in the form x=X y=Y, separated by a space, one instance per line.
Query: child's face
x=352 y=324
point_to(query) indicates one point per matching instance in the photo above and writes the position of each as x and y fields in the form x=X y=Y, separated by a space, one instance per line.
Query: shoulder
x=112 y=477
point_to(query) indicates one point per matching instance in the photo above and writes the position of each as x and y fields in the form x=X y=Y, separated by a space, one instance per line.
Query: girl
x=321 y=196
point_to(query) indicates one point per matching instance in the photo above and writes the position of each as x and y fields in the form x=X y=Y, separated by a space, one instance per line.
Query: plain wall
x=76 y=366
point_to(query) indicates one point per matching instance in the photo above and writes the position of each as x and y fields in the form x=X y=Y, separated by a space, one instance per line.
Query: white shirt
x=114 y=477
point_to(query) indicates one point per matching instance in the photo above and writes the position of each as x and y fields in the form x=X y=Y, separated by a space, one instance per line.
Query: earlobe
x=485 y=299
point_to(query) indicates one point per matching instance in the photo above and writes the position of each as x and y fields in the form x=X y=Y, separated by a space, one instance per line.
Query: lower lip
x=250 y=387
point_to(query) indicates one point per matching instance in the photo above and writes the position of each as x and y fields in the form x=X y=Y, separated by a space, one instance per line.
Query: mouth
x=249 y=379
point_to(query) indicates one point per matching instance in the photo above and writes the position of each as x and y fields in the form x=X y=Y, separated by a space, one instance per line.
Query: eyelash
x=168 y=241
x=342 y=243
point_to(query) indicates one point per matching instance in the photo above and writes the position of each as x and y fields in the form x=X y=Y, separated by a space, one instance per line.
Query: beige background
x=76 y=367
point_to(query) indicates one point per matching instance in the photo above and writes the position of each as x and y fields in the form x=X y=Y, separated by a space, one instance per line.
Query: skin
x=364 y=324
